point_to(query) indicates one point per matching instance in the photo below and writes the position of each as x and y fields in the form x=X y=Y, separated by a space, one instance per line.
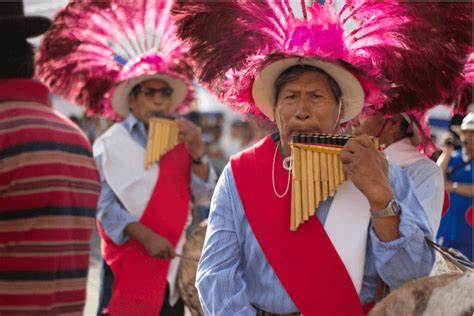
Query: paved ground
x=93 y=279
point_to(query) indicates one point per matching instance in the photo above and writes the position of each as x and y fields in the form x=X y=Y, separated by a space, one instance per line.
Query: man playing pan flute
x=143 y=212
x=261 y=60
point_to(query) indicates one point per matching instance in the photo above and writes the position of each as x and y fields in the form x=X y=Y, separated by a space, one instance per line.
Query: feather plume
x=407 y=55
x=465 y=95
x=94 y=45
x=418 y=47
x=231 y=41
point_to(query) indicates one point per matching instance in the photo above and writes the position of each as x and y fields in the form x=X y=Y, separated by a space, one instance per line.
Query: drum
x=445 y=294
x=187 y=269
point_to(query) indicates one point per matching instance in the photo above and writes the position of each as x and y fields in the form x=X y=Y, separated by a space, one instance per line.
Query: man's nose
x=303 y=112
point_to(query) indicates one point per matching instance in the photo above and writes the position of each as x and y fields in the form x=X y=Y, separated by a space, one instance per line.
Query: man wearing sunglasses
x=146 y=99
x=456 y=226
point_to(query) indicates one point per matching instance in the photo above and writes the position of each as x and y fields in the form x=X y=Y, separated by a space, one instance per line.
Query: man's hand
x=190 y=134
x=156 y=245
x=368 y=170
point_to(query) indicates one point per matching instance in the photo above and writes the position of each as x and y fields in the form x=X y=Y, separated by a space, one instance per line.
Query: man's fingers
x=352 y=146
x=364 y=140
x=346 y=156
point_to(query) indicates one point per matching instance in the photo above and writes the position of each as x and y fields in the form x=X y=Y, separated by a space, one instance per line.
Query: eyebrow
x=293 y=90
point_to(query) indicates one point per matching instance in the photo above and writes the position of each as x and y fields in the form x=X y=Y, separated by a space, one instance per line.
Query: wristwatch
x=200 y=161
x=392 y=209
x=454 y=186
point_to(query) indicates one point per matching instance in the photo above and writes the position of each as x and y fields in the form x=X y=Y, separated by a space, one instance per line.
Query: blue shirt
x=112 y=214
x=454 y=230
x=234 y=275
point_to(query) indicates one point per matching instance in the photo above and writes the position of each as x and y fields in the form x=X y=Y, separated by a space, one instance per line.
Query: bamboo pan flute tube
x=317 y=173
x=317 y=183
x=162 y=137
x=296 y=190
x=304 y=184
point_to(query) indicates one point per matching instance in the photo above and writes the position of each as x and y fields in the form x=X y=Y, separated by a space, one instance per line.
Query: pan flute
x=316 y=172
x=162 y=137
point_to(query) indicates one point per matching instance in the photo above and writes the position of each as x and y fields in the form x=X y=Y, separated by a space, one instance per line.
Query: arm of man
x=219 y=278
x=428 y=180
x=203 y=178
x=465 y=189
x=120 y=225
x=190 y=134
x=368 y=170
x=409 y=256
x=398 y=242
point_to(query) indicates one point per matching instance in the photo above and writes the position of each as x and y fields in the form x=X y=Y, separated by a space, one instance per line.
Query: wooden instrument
x=316 y=171
x=162 y=137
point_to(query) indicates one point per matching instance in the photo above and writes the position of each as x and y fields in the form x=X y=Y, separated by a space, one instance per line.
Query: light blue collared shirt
x=234 y=275
x=112 y=214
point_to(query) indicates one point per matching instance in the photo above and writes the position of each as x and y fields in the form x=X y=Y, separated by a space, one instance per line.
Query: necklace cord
x=273 y=176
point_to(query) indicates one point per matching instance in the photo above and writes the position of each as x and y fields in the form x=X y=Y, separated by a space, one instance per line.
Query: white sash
x=347 y=227
x=123 y=164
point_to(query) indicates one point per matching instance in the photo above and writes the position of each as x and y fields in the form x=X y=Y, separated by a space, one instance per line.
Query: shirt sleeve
x=408 y=257
x=202 y=190
x=220 y=283
x=111 y=214
x=429 y=185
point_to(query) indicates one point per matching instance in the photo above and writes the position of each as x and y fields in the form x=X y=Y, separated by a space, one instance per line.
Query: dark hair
x=17 y=59
x=292 y=73
x=404 y=126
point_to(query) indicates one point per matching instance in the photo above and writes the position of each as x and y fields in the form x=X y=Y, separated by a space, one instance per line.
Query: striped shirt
x=234 y=276
x=49 y=188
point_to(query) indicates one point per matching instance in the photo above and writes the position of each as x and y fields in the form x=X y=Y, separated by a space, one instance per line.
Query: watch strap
x=392 y=209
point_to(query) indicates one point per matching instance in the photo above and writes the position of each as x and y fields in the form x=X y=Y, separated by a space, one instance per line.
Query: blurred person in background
x=49 y=185
x=233 y=144
x=143 y=209
x=457 y=224
x=400 y=136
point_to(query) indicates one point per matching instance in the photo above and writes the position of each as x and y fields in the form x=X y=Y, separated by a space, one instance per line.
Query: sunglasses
x=152 y=92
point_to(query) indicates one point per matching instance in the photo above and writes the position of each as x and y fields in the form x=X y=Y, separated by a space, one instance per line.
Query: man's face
x=154 y=97
x=306 y=104
x=467 y=139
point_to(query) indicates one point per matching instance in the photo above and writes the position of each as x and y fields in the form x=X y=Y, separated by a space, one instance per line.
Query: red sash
x=305 y=262
x=140 y=280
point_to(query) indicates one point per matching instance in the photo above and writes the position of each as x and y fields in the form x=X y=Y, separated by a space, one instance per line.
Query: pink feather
x=407 y=55
x=419 y=48
x=94 y=45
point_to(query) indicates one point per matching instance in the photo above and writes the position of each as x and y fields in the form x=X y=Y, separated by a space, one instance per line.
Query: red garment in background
x=49 y=188
x=139 y=279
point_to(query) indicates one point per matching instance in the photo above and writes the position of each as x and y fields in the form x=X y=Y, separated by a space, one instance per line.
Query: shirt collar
x=131 y=123
x=403 y=153
x=22 y=89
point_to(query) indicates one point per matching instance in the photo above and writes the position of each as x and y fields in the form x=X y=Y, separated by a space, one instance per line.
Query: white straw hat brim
x=263 y=89
x=122 y=92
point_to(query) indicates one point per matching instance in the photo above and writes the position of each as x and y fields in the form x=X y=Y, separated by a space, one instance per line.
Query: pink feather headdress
x=394 y=51
x=465 y=95
x=97 y=50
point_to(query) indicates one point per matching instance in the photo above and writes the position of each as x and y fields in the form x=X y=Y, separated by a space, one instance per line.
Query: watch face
x=394 y=208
